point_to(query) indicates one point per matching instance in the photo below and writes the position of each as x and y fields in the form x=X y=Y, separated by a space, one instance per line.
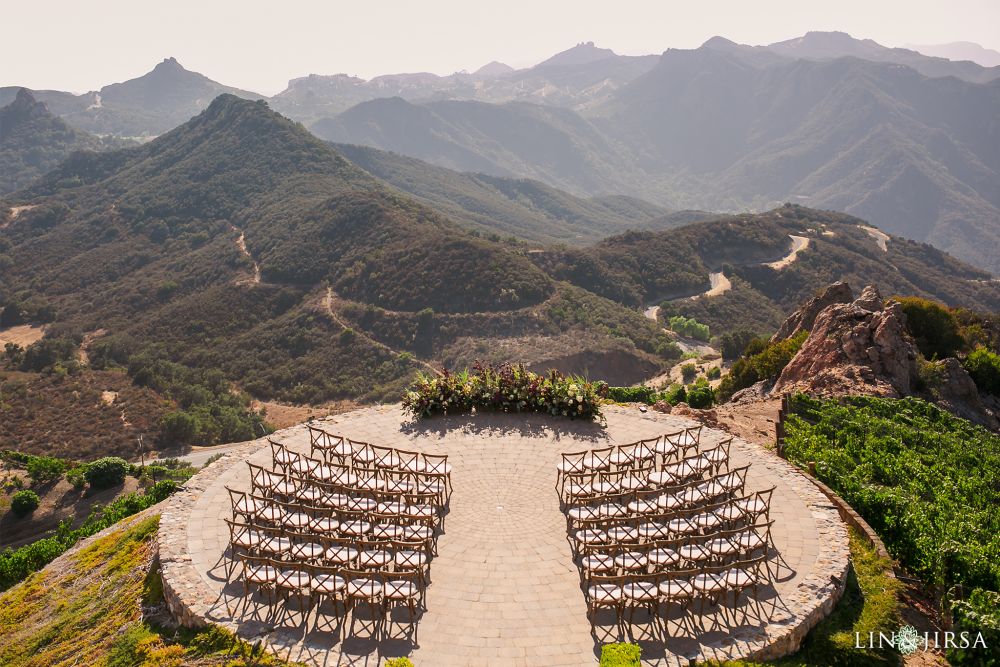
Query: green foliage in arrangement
x=762 y=360
x=398 y=662
x=24 y=502
x=621 y=655
x=933 y=326
x=41 y=469
x=984 y=367
x=106 y=472
x=504 y=388
x=927 y=482
x=16 y=564
x=690 y=327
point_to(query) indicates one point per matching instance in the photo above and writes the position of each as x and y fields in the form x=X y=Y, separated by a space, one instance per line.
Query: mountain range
x=904 y=140
x=242 y=243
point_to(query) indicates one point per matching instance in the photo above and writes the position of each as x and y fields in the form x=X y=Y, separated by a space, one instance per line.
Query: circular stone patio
x=504 y=588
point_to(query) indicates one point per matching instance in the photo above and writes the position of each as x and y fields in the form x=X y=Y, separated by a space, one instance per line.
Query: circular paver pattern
x=504 y=589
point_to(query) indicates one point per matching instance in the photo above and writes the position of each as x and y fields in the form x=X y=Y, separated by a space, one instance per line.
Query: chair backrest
x=435 y=464
x=572 y=462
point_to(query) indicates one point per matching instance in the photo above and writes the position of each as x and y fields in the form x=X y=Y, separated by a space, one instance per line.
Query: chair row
x=342 y=587
x=666 y=494
x=694 y=465
x=332 y=447
x=710 y=583
x=638 y=454
x=664 y=554
x=267 y=482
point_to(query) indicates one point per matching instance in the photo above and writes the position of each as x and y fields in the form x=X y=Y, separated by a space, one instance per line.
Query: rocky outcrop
x=805 y=317
x=859 y=347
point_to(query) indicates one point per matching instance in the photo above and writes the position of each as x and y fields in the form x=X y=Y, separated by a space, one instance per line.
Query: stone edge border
x=189 y=599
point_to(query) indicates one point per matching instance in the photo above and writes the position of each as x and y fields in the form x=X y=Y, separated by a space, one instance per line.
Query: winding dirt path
x=799 y=243
x=241 y=245
x=329 y=302
x=881 y=238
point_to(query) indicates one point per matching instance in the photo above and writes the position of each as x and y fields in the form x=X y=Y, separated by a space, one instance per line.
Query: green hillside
x=358 y=284
x=33 y=140
x=646 y=268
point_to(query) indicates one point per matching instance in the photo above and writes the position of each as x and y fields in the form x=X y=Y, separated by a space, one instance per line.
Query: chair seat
x=308 y=550
x=301 y=466
x=262 y=574
x=341 y=555
x=675 y=588
x=417 y=533
x=410 y=559
x=729 y=513
x=247 y=539
x=737 y=578
x=365 y=588
x=582 y=513
x=284 y=488
x=421 y=510
x=752 y=505
x=389 y=531
x=327 y=583
x=640 y=591
x=363 y=504
x=668 y=502
x=707 y=520
x=270 y=513
x=661 y=478
x=681 y=526
x=642 y=506
x=749 y=540
x=721 y=547
x=324 y=473
x=294 y=579
x=334 y=500
x=590 y=536
x=296 y=520
x=623 y=534
x=376 y=558
x=605 y=593
x=611 y=510
x=247 y=505
x=708 y=582
x=324 y=525
x=276 y=545
x=693 y=552
x=400 y=590
x=653 y=530
x=631 y=561
x=309 y=494
x=355 y=528
x=598 y=563
x=663 y=557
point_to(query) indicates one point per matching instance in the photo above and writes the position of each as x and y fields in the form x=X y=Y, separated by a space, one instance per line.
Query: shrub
x=504 y=388
x=107 y=472
x=24 y=502
x=984 y=367
x=620 y=655
x=714 y=373
x=42 y=469
x=674 y=394
x=688 y=373
x=688 y=326
x=733 y=343
x=47 y=353
x=645 y=395
x=933 y=327
x=77 y=477
x=700 y=394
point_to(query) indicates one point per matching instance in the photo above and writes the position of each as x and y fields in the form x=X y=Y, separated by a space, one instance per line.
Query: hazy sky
x=260 y=44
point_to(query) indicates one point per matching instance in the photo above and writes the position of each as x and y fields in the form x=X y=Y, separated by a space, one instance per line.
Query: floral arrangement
x=504 y=388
